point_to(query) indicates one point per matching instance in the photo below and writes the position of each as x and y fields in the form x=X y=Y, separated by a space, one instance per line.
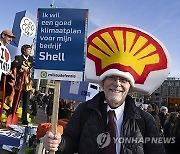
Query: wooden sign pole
x=55 y=109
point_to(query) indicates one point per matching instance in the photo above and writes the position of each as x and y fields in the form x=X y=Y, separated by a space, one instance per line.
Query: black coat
x=81 y=136
x=28 y=63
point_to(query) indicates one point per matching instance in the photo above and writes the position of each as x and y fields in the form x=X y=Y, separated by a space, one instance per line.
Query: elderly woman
x=163 y=115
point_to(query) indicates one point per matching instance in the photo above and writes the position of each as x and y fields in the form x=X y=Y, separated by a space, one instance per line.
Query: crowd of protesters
x=168 y=124
x=45 y=102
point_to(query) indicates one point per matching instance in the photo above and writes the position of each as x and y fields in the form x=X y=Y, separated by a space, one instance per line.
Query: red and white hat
x=128 y=52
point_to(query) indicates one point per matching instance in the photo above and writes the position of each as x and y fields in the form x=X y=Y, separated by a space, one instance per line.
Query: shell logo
x=127 y=49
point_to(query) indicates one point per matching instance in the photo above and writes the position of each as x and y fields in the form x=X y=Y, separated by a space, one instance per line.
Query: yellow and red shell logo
x=126 y=49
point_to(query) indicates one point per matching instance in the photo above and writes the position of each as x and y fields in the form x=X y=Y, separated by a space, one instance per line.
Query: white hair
x=164 y=108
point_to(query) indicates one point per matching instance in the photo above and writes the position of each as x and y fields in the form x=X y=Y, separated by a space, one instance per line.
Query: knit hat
x=128 y=52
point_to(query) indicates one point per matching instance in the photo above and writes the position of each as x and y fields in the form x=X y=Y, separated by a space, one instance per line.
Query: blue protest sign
x=60 y=46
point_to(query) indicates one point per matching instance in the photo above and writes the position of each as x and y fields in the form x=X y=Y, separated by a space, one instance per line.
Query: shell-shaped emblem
x=127 y=49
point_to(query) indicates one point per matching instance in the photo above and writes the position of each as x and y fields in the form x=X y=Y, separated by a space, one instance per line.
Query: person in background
x=34 y=104
x=39 y=99
x=45 y=101
x=169 y=124
x=23 y=63
x=176 y=134
x=153 y=109
x=49 y=107
x=61 y=112
x=6 y=37
x=171 y=130
x=69 y=109
x=163 y=115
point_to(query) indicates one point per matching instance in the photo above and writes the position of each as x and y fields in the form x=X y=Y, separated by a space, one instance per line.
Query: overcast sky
x=160 y=18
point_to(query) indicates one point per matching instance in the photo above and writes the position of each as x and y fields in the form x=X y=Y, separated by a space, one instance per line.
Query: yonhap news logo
x=103 y=140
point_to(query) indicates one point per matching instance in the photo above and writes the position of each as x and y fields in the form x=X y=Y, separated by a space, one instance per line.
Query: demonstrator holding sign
x=5 y=66
x=121 y=59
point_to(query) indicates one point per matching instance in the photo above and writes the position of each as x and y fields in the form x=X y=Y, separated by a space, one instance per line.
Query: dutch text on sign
x=61 y=41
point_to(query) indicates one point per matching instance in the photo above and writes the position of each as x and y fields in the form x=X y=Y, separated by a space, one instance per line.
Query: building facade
x=168 y=94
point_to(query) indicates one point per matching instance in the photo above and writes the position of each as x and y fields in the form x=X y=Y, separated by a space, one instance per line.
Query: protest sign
x=60 y=46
